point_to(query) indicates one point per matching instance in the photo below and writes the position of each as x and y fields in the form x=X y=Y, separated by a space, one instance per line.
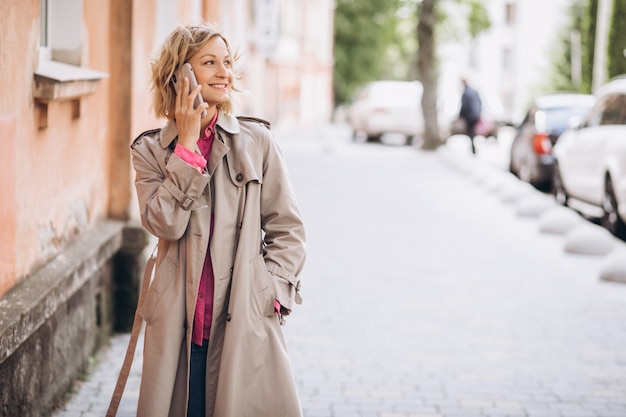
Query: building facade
x=510 y=63
x=75 y=93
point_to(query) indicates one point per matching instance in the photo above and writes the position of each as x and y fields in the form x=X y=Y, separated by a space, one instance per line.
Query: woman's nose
x=222 y=70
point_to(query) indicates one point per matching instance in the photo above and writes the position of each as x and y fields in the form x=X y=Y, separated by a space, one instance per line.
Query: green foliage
x=562 y=74
x=617 y=40
x=371 y=42
x=376 y=39
x=588 y=40
x=581 y=20
x=478 y=18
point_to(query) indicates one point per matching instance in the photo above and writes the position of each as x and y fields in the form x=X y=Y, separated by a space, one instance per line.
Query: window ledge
x=56 y=81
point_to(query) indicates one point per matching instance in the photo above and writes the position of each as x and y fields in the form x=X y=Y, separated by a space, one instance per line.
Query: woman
x=216 y=192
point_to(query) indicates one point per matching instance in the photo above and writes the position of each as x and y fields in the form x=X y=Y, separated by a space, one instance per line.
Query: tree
x=582 y=19
x=371 y=43
x=427 y=71
x=617 y=40
x=588 y=40
x=367 y=40
x=567 y=65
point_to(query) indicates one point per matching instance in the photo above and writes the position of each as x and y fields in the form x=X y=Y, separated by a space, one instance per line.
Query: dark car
x=549 y=116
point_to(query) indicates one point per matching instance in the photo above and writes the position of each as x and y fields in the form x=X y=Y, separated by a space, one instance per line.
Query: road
x=426 y=295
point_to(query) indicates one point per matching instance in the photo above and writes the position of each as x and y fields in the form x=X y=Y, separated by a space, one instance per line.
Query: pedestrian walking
x=471 y=108
x=215 y=191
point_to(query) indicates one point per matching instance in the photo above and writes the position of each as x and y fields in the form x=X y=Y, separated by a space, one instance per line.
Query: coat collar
x=225 y=121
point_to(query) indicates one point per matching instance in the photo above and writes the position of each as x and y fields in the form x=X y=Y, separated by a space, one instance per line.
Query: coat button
x=239 y=177
x=228 y=317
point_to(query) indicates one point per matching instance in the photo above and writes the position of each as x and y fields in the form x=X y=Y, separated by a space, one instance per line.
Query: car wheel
x=373 y=138
x=525 y=172
x=610 y=219
x=416 y=141
x=514 y=162
x=359 y=136
x=512 y=167
x=558 y=189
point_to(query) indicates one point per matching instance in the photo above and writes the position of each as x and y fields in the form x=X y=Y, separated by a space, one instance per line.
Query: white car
x=382 y=107
x=590 y=170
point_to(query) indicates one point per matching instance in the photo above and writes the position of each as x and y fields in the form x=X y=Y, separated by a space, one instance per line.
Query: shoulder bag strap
x=132 y=344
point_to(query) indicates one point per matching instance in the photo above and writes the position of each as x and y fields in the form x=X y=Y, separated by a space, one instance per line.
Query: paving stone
x=614 y=267
x=516 y=191
x=589 y=239
x=446 y=305
x=559 y=220
x=534 y=205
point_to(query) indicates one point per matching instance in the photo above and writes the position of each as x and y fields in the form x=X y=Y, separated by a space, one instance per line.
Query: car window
x=528 y=118
x=558 y=118
x=612 y=110
x=621 y=103
x=595 y=115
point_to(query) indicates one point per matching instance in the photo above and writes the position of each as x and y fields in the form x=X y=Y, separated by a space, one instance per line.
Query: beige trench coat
x=257 y=251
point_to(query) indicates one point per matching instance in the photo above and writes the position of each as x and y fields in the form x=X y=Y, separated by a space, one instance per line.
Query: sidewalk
x=92 y=396
x=450 y=304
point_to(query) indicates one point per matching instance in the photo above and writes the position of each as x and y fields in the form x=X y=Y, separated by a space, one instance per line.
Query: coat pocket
x=262 y=292
x=164 y=276
x=286 y=287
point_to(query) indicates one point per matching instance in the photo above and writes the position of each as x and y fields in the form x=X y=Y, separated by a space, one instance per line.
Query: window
x=44 y=33
x=614 y=110
x=595 y=115
x=610 y=110
x=507 y=59
x=60 y=30
x=60 y=75
x=509 y=14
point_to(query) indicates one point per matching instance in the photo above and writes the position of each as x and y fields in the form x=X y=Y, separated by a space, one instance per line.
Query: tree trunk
x=427 y=70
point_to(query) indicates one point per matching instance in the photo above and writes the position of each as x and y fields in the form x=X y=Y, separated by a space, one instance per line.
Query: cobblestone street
x=426 y=295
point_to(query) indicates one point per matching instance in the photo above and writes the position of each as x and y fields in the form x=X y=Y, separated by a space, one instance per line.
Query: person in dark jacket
x=471 y=107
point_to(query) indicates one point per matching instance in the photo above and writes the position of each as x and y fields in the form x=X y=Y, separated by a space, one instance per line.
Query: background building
x=75 y=93
x=511 y=62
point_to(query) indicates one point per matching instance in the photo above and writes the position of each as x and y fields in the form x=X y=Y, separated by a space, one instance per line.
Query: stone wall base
x=57 y=318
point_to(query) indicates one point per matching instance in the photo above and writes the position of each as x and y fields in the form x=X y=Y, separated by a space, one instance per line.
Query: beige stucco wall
x=54 y=182
x=57 y=181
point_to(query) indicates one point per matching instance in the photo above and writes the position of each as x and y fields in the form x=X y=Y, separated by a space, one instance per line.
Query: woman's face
x=212 y=66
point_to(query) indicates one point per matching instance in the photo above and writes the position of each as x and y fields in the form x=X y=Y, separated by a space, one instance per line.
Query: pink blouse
x=204 y=305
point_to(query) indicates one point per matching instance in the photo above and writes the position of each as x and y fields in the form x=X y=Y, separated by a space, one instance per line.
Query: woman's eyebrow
x=209 y=55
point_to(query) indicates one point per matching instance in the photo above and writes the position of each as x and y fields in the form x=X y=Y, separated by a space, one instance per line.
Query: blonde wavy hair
x=180 y=45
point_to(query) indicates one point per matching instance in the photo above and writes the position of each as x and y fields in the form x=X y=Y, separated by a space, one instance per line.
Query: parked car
x=549 y=116
x=591 y=160
x=382 y=107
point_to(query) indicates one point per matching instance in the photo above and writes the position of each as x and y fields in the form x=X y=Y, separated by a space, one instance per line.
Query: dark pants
x=197 y=380
x=471 y=132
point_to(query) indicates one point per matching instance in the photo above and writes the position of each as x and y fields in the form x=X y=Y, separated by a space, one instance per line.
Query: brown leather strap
x=132 y=344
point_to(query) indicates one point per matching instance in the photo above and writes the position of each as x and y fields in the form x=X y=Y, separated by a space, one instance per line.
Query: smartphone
x=187 y=71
